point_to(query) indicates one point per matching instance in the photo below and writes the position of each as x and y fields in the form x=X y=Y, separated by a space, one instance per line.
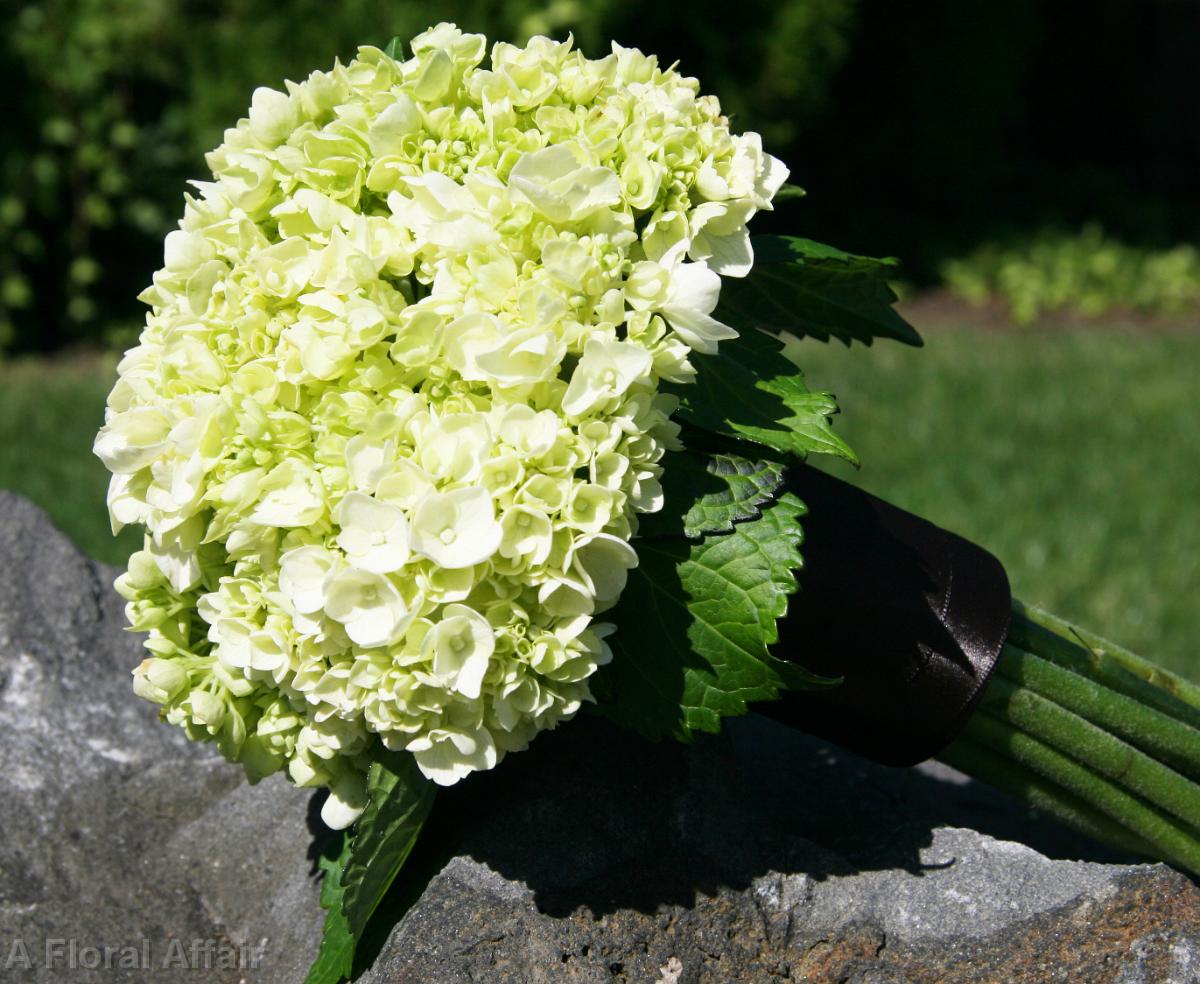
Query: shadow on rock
x=595 y=818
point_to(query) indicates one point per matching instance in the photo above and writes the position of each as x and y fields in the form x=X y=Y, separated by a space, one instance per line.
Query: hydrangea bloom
x=395 y=409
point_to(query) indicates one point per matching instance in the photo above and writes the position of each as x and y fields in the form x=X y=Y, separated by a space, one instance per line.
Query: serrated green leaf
x=749 y=391
x=789 y=192
x=810 y=289
x=718 y=491
x=398 y=801
x=395 y=49
x=335 y=959
x=694 y=625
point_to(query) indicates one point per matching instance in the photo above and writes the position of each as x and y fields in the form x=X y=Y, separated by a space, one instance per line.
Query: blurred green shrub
x=76 y=157
x=117 y=101
x=1087 y=272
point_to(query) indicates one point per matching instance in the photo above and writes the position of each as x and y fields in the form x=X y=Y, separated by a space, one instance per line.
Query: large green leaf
x=722 y=489
x=695 y=622
x=749 y=391
x=810 y=289
x=398 y=801
x=335 y=959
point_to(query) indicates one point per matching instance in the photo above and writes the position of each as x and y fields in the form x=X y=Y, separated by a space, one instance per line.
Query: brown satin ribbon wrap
x=912 y=617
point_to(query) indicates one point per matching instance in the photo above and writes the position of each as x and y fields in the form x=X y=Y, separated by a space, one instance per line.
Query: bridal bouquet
x=466 y=400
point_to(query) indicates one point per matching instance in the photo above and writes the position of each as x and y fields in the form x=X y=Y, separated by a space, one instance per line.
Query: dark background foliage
x=955 y=122
x=919 y=129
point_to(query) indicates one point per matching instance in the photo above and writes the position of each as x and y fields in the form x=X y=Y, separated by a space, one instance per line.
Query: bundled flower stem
x=1093 y=735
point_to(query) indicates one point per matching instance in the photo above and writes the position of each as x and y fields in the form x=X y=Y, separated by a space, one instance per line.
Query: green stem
x=1171 y=839
x=1105 y=754
x=1149 y=730
x=1092 y=734
x=997 y=770
x=1036 y=630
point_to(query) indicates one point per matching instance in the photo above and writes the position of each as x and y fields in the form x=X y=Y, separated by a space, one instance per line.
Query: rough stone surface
x=116 y=829
x=761 y=856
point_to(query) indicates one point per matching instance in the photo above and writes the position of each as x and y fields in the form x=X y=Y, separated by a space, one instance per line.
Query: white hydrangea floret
x=368 y=605
x=461 y=646
x=374 y=534
x=606 y=371
x=447 y=755
x=456 y=529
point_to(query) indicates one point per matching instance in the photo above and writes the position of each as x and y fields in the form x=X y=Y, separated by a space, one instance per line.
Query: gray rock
x=770 y=856
x=118 y=831
x=762 y=855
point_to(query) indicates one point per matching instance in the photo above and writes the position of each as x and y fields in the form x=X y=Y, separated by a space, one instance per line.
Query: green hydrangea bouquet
x=440 y=359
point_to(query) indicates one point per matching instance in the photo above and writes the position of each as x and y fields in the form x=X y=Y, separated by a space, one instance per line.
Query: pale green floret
x=395 y=409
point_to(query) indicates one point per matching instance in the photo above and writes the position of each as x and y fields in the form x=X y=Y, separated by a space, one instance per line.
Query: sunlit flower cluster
x=396 y=406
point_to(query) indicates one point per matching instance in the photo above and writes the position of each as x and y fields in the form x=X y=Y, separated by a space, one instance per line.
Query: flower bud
x=159 y=680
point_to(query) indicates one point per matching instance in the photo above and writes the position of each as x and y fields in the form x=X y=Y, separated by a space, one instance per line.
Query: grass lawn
x=1075 y=457
x=49 y=415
